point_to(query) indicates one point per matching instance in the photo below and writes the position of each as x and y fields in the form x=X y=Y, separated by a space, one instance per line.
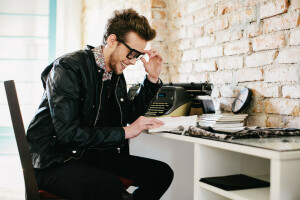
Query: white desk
x=270 y=159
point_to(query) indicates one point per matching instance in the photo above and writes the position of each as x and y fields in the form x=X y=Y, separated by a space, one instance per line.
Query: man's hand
x=153 y=67
x=142 y=123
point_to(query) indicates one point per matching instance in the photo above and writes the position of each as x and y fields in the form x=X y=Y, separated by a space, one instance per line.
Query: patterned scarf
x=98 y=53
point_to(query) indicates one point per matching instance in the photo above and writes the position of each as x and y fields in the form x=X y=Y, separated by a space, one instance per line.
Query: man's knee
x=104 y=188
x=166 y=171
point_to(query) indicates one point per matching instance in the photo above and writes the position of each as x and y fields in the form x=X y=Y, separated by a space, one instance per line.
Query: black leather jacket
x=65 y=123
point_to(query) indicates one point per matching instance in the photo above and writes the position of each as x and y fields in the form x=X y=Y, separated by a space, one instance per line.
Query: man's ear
x=112 y=41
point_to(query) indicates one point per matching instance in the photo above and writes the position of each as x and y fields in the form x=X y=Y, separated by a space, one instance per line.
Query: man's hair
x=128 y=20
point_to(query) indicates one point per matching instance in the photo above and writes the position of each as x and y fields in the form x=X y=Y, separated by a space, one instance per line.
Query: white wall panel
x=25 y=6
x=19 y=48
x=17 y=25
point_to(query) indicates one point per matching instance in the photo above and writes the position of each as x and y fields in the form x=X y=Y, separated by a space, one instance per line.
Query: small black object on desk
x=235 y=182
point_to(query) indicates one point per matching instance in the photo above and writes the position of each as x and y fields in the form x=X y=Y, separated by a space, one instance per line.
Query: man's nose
x=132 y=61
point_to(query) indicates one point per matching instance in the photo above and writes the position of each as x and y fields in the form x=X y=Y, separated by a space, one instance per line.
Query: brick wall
x=238 y=43
x=233 y=44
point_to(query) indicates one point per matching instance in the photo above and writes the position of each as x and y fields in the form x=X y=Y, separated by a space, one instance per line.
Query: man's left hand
x=153 y=66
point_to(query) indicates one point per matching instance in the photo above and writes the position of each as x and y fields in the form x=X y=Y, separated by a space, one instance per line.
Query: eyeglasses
x=133 y=52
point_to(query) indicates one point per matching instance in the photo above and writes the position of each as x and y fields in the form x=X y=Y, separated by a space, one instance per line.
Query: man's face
x=118 y=60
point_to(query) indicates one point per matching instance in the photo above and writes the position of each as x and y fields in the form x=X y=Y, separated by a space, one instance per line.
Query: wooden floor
x=11 y=178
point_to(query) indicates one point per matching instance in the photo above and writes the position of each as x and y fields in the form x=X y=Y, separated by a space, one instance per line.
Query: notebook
x=235 y=182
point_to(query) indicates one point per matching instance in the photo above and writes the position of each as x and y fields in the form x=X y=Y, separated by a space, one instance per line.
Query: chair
x=31 y=188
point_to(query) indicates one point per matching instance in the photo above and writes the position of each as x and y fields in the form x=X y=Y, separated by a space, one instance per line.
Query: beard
x=113 y=62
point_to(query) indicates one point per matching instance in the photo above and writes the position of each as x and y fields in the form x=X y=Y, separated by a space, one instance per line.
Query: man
x=79 y=136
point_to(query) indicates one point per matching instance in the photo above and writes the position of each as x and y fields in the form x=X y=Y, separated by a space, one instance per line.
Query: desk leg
x=285 y=176
x=196 y=171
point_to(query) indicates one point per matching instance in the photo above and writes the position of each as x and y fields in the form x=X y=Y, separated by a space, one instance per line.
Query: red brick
x=211 y=52
x=290 y=55
x=221 y=77
x=228 y=35
x=190 y=55
x=187 y=20
x=282 y=106
x=195 y=31
x=256 y=120
x=165 y=78
x=164 y=70
x=249 y=3
x=205 y=14
x=158 y=14
x=228 y=7
x=229 y=90
x=242 y=17
x=176 y=13
x=248 y=74
x=161 y=35
x=174 y=55
x=254 y=29
x=282 y=73
x=295 y=4
x=273 y=8
x=185 y=68
x=204 y=41
x=173 y=24
x=159 y=25
x=262 y=89
x=287 y=21
x=274 y=121
x=195 y=6
x=161 y=47
x=256 y=106
x=213 y=2
x=178 y=34
x=292 y=122
x=184 y=44
x=260 y=58
x=291 y=91
x=158 y=4
x=238 y=47
x=182 y=78
x=295 y=37
x=202 y=77
x=230 y=62
x=265 y=42
x=173 y=69
x=205 y=66
x=216 y=25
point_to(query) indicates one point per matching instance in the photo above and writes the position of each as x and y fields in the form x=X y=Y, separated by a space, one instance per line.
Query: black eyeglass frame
x=138 y=54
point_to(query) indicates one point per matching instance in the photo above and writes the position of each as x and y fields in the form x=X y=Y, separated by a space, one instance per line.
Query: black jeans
x=94 y=177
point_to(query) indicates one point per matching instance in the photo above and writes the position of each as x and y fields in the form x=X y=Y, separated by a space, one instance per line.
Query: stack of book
x=222 y=120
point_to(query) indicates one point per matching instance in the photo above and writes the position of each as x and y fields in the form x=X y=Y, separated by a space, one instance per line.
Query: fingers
x=153 y=53
x=158 y=121
x=147 y=123
x=153 y=126
x=143 y=60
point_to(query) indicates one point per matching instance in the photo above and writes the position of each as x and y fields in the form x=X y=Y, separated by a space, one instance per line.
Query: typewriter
x=174 y=99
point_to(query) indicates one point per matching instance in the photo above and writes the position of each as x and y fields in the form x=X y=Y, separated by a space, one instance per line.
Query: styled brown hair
x=128 y=20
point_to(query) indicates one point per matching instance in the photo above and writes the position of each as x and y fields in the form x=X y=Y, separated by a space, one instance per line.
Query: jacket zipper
x=99 y=106
x=76 y=158
x=118 y=102
x=99 y=113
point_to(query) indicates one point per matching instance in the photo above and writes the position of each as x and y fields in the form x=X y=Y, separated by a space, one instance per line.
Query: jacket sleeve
x=63 y=92
x=144 y=96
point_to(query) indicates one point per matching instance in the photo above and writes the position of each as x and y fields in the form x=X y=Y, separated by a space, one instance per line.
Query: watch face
x=241 y=100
